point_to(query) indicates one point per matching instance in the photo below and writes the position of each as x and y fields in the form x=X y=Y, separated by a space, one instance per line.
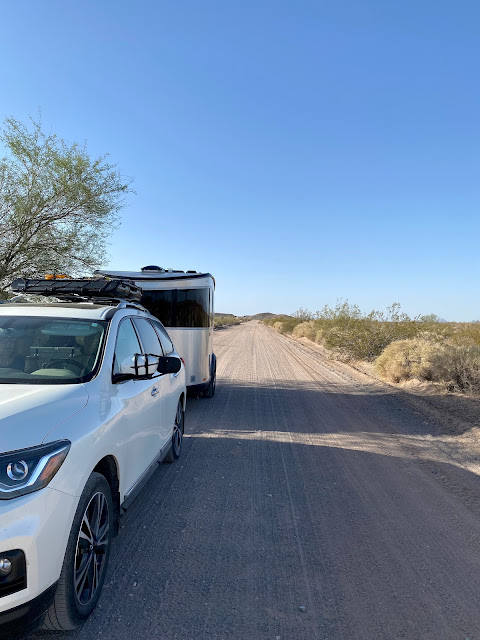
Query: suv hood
x=28 y=413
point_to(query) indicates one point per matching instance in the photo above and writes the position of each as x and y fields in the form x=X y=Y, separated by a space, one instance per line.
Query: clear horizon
x=300 y=152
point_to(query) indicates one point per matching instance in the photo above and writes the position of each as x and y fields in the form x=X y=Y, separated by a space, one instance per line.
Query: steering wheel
x=64 y=361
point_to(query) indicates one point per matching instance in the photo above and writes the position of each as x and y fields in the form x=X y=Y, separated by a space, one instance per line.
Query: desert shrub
x=352 y=334
x=283 y=324
x=356 y=339
x=407 y=359
x=458 y=366
x=226 y=321
x=303 y=315
x=305 y=330
x=402 y=347
x=270 y=320
x=430 y=357
x=464 y=333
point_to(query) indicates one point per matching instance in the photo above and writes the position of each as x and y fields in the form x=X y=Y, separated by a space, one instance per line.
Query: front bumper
x=26 y=618
x=38 y=524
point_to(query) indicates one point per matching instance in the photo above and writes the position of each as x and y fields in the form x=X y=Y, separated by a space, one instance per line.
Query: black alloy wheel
x=177 y=435
x=86 y=558
x=91 y=552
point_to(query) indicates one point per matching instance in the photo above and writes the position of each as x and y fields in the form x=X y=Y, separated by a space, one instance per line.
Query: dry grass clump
x=457 y=366
x=305 y=330
x=407 y=359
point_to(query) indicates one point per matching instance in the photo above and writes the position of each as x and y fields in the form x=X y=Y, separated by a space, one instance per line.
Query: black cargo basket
x=82 y=288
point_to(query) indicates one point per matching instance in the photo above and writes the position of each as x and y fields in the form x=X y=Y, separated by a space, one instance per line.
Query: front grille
x=13 y=586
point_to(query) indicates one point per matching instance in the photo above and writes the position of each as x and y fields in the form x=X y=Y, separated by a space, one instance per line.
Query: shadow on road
x=288 y=514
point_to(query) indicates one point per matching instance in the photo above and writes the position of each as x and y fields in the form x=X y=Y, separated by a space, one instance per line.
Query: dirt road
x=308 y=504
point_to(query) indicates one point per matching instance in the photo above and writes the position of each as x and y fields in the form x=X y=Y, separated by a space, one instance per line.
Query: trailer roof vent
x=152 y=267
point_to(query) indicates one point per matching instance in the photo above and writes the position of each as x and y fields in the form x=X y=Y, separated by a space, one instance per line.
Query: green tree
x=57 y=204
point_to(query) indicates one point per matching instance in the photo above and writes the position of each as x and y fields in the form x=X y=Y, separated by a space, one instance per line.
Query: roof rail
x=125 y=304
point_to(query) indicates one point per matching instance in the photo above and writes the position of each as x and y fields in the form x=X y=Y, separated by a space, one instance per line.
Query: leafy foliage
x=226 y=321
x=57 y=204
x=347 y=331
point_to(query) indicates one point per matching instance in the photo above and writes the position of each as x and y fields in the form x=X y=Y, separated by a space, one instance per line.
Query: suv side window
x=127 y=344
x=167 y=344
x=149 y=338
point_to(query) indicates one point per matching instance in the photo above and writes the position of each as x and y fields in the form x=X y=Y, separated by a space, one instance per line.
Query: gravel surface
x=309 y=503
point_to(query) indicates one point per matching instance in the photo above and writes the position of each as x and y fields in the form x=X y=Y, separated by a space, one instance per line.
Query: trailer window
x=192 y=308
x=179 y=307
x=160 y=305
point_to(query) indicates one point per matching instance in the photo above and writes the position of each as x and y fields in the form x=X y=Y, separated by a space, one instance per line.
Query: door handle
x=154 y=391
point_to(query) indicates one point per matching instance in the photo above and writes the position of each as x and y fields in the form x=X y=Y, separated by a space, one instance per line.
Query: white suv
x=92 y=397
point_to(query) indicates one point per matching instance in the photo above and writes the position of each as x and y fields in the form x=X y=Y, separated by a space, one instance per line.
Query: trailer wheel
x=210 y=391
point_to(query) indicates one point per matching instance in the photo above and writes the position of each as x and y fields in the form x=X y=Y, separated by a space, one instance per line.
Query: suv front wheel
x=177 y=435
x=86 y=558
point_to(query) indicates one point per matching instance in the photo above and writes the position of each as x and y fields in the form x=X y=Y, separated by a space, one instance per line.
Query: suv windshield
x=36 y=350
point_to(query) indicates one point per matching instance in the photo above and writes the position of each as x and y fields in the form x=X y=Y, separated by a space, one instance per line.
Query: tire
x=210 y=391
x=177 y=435
x=86 y=558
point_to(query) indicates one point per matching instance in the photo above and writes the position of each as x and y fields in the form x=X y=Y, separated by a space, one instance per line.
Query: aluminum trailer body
x=184 y=303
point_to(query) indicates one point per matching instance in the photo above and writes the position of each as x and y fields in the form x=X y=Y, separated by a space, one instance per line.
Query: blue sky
x=300 y=151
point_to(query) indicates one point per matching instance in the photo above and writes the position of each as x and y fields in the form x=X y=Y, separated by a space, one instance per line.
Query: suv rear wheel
x=86 y=558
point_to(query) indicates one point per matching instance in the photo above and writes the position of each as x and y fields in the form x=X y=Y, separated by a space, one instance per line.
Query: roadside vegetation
x=226 y=320
x=402 y=348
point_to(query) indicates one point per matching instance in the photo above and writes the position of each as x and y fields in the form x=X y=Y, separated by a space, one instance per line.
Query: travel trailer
x=183 y=302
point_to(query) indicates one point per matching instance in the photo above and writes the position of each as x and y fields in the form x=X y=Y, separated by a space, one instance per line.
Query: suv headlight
x=28 y=470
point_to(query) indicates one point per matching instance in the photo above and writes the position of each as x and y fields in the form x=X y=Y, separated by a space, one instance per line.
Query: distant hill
x=261 y=316
x=257 y=316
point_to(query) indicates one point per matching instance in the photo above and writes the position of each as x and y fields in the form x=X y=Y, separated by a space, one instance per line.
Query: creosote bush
x=283 y=324
x=226 y=321
x=458 y=366
x=402 y=348
x=344 y=329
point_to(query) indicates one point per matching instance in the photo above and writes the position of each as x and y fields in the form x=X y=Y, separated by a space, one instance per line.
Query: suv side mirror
x=132 y=368
x=151 y=362
x=169 y=364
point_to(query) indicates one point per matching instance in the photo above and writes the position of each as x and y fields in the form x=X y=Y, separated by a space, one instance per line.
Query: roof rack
x=100 y=290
